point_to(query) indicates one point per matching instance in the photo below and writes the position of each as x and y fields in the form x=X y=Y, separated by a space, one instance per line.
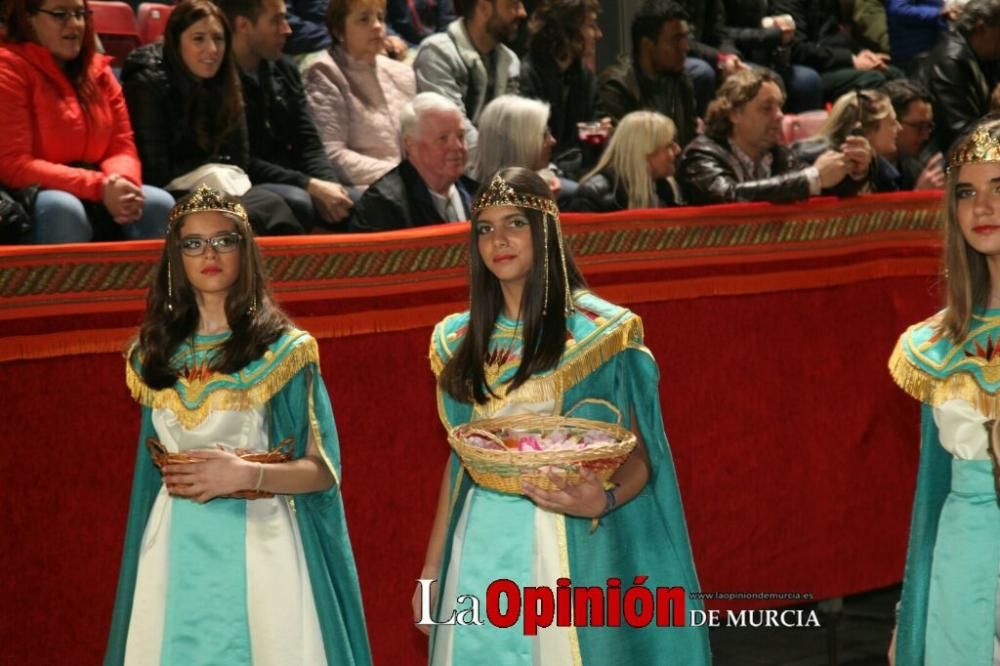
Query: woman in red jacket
x=65 y=128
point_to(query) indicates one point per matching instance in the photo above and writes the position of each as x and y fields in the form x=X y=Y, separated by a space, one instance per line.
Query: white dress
x=281 y=614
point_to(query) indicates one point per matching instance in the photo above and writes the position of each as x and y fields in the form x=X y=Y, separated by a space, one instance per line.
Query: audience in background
x=66 y=130
x=914 y=29
x=827 y=40
x=286 y=154
x=562 y=33
x=470 y=63
x=653 y=76
x=713 y=55
x=959 y=70
x=413 y=20
x=307 y=19
x=428 y=186
x=863 y=113
x=187 y=112
x=356 y=94
x=634 y=170
x=739 y=157
x=920 y=165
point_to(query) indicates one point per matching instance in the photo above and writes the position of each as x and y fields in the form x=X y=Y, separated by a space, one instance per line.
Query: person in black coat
x=186 y=114
x=428 y=187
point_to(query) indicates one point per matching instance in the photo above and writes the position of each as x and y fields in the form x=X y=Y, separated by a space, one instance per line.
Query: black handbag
x=16 y=221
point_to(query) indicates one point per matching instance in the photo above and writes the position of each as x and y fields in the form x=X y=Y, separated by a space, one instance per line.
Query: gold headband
x=502 y=193
x=981 y=146
x=206 y=199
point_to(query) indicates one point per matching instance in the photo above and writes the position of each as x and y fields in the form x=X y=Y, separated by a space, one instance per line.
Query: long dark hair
x=213 y=108
x=254 y=319
x=15 y=17
x=464 y=376
x=555 y=28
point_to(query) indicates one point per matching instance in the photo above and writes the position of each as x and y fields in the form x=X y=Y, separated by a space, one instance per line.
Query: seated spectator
x=356 y=94
x=914 y=29
x=513 y=131
x=307 y=20
x=863 y=113
x=653 y=77
x=919 y=165
x=958 y=70
x=184 y=101
x=66 y=130
x=634 y=170
x=286 y=154
x=739 y=157
x=562 y=33
x=413 y=20
x=765 y=40
x=427 y=187
x=470 y=63
x=826 y=39
x=713 y=56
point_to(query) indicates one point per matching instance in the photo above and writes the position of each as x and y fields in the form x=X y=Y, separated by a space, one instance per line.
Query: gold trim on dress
x=934 y=391
x=314 y=429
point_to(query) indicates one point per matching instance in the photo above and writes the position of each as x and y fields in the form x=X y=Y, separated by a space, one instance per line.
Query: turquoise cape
x=287 y=379
x=605 y=373
x=947 y=610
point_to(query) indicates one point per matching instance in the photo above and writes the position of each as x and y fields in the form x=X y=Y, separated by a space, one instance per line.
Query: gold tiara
x=207 y=199
x=981 y=146
x=502 y=193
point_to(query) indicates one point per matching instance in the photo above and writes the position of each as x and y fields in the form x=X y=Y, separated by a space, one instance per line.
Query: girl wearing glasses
x=236 y=550
x=66 y=130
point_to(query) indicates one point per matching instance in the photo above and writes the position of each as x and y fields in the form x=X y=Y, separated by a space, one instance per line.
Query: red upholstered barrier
x=772 y=326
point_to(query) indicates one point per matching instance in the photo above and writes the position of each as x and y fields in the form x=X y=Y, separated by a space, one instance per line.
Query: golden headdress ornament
x=980 y=146
x=207 y=199
x=502 y=193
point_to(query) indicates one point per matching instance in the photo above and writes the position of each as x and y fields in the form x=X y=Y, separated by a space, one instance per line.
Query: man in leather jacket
x=958 y=71
x=739 y=158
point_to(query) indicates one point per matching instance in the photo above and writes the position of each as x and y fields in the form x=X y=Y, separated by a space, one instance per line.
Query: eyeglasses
x=63 y=15
x=918 y=126
x=194 y=246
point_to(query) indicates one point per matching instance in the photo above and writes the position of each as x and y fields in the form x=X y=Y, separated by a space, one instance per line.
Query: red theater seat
x=153 y=20
x=115 y=24
x=795 y=127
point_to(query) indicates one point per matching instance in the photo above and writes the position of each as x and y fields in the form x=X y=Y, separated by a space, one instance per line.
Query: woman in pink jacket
x=65 y=128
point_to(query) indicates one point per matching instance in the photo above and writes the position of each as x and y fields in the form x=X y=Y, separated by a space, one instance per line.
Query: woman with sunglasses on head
x=186 y=106
x=950 y=607
x=236 y=550
x=66 y=130
x=536 y=342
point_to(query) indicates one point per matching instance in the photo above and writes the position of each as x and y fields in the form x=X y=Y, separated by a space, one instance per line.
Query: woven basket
x=505 y=471
x=281 y=453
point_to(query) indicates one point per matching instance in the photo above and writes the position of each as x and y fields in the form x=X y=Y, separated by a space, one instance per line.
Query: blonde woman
x=865 y=113
x=514 y=132
x=635 y=168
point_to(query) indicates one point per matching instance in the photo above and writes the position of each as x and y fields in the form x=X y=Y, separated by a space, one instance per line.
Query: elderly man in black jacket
x=958 y=70
x=285 y=148
x=428 y=186
x=739 y=158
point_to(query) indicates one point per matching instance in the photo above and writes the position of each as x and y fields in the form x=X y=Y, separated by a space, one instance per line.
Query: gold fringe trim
x=933 y=391
x=316 y=433
x=305 y=351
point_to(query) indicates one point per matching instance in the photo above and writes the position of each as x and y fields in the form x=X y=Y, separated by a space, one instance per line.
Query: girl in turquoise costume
x=536 y=341
x=948 y=613
x=208 y=578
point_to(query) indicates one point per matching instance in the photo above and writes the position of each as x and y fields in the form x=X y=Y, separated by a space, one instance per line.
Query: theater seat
x=115 y=24
x=153 y=20
x=795 y=127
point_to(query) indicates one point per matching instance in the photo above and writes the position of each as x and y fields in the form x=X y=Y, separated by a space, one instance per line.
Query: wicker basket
x=281 y=453
x=505 y=470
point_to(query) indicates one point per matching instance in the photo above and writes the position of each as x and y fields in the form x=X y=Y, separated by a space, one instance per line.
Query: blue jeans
x=804 y=88
x=61 y=218
x=299 y=201
x=703 y=78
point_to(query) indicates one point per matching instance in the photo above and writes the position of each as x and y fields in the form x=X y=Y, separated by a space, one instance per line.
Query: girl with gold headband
x=948 y=613
x=236 y=550
x=535 y=341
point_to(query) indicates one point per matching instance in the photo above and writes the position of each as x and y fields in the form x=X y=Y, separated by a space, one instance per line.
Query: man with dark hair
x=920 y=166
x=285 y=147
x=470 y=63
x=653 y=76
x=957 y=71
x=739 y=157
